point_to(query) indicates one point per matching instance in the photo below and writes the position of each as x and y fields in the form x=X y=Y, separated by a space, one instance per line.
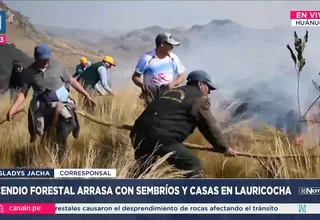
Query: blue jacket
x=80 y=69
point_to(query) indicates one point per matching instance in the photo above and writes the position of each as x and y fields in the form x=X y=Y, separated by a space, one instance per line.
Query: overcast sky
x=128 y=15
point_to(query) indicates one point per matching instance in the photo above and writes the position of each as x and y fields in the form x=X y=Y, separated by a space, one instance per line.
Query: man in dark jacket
x=168 y=121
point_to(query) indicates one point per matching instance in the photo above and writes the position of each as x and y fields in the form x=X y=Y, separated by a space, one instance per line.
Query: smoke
x=254 y=66
x=249 y=66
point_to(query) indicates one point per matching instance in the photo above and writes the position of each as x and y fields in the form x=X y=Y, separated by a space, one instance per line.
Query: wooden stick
x=211 y=149
x=18 y=112
x=190 y=145
x=95 y=120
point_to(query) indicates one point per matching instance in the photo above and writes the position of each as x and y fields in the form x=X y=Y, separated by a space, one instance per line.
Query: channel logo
x=3 y=39
x=302 y=208
x=3 y=19
x=312 y=191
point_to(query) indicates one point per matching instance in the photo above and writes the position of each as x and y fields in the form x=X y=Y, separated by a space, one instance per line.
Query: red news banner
x=305 y=18
x=3 y=39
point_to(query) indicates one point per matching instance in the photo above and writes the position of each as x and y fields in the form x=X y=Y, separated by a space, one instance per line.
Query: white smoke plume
x=255 y=66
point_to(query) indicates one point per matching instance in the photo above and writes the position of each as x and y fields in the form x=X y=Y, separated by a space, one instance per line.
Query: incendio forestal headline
x=165 y=190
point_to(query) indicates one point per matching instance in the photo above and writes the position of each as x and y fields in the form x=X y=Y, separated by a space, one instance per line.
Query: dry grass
x=105 y=147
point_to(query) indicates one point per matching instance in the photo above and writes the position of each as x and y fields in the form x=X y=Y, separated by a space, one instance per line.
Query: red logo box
x=3 y=39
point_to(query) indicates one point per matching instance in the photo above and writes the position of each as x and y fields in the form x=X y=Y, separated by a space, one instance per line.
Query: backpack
x=15 y=78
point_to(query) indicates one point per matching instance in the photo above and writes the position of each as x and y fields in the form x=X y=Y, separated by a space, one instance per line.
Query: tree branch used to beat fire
x=299 y=60
x=18 y=112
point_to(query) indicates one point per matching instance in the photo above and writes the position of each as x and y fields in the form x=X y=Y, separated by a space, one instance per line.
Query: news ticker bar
x=161 y=208
x=58 y=173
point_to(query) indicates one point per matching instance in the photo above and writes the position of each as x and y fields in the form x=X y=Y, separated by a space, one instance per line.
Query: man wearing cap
x=96 y=77
x=169 y=120
x=161 y=69
x=47 y=78
x=83 y=65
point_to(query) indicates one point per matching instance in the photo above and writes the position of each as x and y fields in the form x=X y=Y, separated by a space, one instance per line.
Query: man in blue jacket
x=82 y=66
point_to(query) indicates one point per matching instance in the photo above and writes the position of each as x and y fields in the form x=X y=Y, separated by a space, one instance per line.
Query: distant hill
x=148 y=34
x=21 y=21
x=84 y=35
x=216 y=29
x=212 y=24
x=140 y=41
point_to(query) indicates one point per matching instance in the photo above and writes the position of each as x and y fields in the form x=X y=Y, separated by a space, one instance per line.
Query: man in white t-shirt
x=161 y=69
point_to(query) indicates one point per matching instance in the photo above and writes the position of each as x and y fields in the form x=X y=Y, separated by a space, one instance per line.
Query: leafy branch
x=299 y=60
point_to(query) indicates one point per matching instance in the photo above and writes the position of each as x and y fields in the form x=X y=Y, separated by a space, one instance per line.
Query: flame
x=299 y=140
x=313 y=118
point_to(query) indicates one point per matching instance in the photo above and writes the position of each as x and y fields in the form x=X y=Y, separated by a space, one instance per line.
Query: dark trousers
x=62 y=130
x=146 y=151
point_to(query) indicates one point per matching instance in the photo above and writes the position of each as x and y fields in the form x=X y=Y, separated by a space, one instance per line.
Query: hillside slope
x=25 y=36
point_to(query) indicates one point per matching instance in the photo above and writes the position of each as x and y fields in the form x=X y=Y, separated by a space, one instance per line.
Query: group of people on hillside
x=172 y=111
x=95 y=76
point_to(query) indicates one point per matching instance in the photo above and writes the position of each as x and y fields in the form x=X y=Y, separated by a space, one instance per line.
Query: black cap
x=203 y=76
x=166 y=37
